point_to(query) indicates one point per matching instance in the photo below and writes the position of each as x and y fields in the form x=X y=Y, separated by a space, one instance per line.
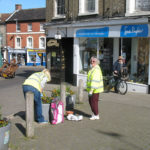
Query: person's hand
x=41 y=94
x=90 y=93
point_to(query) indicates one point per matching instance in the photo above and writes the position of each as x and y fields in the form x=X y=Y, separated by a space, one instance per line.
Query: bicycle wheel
x=122 y=87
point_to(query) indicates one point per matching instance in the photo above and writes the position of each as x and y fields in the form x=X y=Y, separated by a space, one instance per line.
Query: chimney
x=18 y=6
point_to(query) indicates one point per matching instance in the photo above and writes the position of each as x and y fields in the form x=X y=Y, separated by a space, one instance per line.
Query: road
x=11 y=95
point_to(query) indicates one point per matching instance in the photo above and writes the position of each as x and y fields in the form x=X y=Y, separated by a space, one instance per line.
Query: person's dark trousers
x=93 y=101
x=37 y=101
x=116 y=81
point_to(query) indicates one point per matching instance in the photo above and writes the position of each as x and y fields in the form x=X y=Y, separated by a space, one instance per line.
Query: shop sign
x=33 y=50
x=134 y=30
x=51 y=43
x=96 y=32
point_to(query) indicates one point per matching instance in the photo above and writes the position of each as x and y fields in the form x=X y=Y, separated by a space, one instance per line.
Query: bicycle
x=120 y=84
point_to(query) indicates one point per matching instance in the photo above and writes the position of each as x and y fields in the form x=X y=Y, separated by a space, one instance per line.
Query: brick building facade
x=26 y=36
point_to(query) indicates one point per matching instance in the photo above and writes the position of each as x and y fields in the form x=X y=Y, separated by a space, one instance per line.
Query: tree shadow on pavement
x=21 y=128
x=21 y=114
x=79 y=112
x=121 y=138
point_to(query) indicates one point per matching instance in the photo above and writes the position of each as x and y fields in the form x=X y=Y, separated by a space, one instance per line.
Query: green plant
x=55 y=93
x=46 y=99
x=3 y=122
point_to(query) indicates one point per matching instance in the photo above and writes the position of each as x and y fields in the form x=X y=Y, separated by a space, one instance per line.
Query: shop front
x=107 y=43
x=36 y=57
x=108 y=40
x=18 y=54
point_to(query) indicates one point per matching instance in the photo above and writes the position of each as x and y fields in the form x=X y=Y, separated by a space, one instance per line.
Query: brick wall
x=11 y=34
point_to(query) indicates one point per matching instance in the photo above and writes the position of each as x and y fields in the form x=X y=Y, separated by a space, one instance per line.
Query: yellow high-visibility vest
x=95 y=80
x=35 y=80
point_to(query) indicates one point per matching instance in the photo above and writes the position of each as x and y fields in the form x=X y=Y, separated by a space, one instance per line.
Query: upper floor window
x=41 y=26
x=137 y=7
x=17 y=27
x=88 y=7
x=18 y=42
x=30 y=27
x=30 y=42
x=42 y=42
x=59 y=8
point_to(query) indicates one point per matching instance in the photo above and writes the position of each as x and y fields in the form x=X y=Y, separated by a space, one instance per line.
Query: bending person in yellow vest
x=35 y=84
x=94 y=86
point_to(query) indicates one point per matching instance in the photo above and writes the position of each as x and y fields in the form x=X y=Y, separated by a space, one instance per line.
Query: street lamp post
x=0 y=49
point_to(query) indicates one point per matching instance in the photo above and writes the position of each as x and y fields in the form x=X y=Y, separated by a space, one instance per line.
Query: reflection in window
x=88 y=48
x=29 y=42
x=42 y=42
x=143 y=5
x=30 y=27
x=88 y=6
x=18 y=42
x=143 y=54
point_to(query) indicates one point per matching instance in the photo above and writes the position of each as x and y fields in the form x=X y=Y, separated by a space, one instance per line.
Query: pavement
x=124 y=125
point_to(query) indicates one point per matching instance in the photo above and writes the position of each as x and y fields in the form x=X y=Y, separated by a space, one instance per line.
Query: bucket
x=4 y=137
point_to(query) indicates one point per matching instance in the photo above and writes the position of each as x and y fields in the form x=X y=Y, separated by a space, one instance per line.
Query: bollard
x=29 y=114
x=63 y=94
x=80 y=91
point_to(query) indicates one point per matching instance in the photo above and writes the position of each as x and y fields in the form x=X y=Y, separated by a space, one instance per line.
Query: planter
x=70 y=102
x=4 y=137
x=137 y=87
x=45 y=111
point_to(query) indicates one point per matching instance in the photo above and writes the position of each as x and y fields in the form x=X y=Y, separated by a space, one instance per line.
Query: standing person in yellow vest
x=94 y=86
x=35 y=84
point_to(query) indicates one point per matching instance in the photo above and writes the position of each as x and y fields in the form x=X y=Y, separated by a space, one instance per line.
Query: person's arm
x=43 y=82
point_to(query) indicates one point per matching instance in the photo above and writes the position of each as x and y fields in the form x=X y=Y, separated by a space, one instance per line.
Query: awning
x=17 y=50
x=136 y=30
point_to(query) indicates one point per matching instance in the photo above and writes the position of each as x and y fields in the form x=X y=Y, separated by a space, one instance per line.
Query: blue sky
x=8 y=6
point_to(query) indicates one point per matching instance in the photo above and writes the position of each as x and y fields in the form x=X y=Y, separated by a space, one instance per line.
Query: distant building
x=3 y=17
x=26 y=36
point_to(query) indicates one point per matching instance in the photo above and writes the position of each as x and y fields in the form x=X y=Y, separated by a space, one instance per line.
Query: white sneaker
x=94 y=117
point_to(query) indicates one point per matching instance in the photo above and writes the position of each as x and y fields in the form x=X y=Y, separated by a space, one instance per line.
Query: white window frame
x=18 y=45
x=41 y=26
x=55 y=11
x=28 y=44
x=29 y=26
x=84 y=11
x=17 y=27
x=131 y=9
x=40 y=42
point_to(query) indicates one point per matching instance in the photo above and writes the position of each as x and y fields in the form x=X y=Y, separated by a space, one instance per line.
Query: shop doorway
x=60 y=54
x=125 y=51
x=67 y=46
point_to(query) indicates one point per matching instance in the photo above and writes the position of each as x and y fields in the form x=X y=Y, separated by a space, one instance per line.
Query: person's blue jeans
x=37 y=101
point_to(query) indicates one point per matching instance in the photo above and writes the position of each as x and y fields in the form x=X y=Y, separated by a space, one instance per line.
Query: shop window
x=32 y=57
x=18 y=42
x=30 y=42
x=143 y=58
x=30 y=27
x=59 y=8
x=99 y=47
x=87 y=7
x=42 y=43
x=137 y=7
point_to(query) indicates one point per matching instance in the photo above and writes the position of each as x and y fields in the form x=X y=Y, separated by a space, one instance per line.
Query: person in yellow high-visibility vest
x=35 y=84
x=94 y=86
